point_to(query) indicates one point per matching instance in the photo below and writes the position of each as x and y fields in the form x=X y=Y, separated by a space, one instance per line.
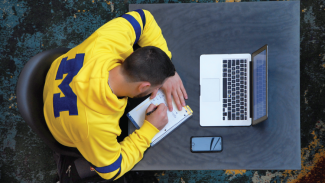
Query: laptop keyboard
x=235 y=89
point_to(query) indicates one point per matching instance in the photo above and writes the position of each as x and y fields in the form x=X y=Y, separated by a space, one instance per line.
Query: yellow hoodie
x=79 y=107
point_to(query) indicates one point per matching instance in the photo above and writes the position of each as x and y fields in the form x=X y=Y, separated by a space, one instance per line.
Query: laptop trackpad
x=210 y=90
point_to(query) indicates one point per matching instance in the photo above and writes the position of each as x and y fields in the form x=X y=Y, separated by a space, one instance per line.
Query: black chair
x=30 y=98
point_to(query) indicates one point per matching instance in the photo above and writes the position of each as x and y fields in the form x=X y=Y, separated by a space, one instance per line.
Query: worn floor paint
x=28 y=27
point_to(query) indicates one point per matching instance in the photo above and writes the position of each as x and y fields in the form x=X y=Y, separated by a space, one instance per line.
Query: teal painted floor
x=32 y=26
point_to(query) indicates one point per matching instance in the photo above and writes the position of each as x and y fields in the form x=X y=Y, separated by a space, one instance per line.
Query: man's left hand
x=173 y=86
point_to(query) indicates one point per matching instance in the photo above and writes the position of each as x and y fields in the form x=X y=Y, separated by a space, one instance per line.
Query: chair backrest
x=30 y=98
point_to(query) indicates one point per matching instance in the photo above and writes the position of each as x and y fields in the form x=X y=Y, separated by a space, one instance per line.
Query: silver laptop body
x=233 y=89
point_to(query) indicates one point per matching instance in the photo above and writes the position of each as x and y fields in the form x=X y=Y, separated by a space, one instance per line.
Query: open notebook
x=175 y=118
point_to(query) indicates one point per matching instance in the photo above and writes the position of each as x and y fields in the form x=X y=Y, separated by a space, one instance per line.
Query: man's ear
x=143 y=86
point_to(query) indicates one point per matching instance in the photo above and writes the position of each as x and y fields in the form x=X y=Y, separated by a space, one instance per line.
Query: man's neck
x=117 y=82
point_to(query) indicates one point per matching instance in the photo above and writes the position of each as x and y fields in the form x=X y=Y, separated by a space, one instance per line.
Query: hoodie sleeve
x=120 y=34
x=111 y=159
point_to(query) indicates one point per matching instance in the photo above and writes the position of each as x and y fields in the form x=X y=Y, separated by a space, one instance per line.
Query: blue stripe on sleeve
x=110 y=168
x=143 y=17
x=135 y=24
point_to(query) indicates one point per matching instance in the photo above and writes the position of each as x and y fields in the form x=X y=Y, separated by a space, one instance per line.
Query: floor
x=30 y=27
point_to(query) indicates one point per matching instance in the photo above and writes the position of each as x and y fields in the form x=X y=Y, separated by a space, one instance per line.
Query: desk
x=195 y=29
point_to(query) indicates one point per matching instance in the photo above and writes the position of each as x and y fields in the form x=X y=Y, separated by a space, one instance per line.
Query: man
x=86 y=91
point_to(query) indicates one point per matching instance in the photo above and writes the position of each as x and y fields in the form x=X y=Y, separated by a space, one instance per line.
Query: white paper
x=138 y=114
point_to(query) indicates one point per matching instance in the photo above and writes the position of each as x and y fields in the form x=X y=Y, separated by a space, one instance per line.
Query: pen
x=152 y=111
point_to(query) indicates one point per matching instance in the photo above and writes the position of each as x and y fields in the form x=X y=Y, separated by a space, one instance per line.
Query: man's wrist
x=148 y=129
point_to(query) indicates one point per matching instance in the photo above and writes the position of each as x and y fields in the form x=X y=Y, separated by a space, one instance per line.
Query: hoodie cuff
x=148 y=130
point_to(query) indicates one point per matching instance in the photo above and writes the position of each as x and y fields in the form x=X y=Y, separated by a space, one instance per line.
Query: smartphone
x=206 y=144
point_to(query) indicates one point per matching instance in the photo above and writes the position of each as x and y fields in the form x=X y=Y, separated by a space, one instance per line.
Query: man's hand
x=159 y=117
x=173 y=86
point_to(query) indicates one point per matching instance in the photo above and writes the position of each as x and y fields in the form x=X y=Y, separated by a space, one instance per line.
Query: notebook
x=175 y=118
x=234 y=88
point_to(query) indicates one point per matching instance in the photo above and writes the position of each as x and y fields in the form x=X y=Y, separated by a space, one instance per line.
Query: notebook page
x=138 y=113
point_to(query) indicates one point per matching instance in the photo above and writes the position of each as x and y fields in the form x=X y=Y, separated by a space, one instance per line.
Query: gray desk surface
x=195 y=29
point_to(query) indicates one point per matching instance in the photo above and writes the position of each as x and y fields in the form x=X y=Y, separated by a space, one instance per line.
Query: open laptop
x=233 y=88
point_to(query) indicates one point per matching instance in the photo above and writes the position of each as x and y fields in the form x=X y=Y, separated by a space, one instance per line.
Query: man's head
x=149 y=67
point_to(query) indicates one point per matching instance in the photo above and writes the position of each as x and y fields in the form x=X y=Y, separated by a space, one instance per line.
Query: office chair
x=30 y=98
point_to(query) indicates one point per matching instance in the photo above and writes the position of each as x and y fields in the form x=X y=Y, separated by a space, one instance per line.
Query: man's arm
x=152 y=35
x=110 y=158
x=119 y=36
x=173 y=86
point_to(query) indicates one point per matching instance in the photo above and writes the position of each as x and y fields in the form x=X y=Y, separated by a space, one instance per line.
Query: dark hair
x=148 y=64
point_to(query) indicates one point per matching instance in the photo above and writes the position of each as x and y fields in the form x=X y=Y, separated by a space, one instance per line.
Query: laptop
x=233 y=88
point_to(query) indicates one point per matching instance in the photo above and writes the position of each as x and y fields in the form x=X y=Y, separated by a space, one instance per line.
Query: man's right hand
x=159 y=117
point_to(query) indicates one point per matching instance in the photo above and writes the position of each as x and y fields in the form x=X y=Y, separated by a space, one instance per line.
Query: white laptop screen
x=259 y=84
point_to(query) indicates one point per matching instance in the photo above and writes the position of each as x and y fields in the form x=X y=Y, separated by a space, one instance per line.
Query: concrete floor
x=30 y=27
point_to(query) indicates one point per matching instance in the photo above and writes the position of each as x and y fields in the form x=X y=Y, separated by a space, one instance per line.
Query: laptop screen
x=260 y=85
